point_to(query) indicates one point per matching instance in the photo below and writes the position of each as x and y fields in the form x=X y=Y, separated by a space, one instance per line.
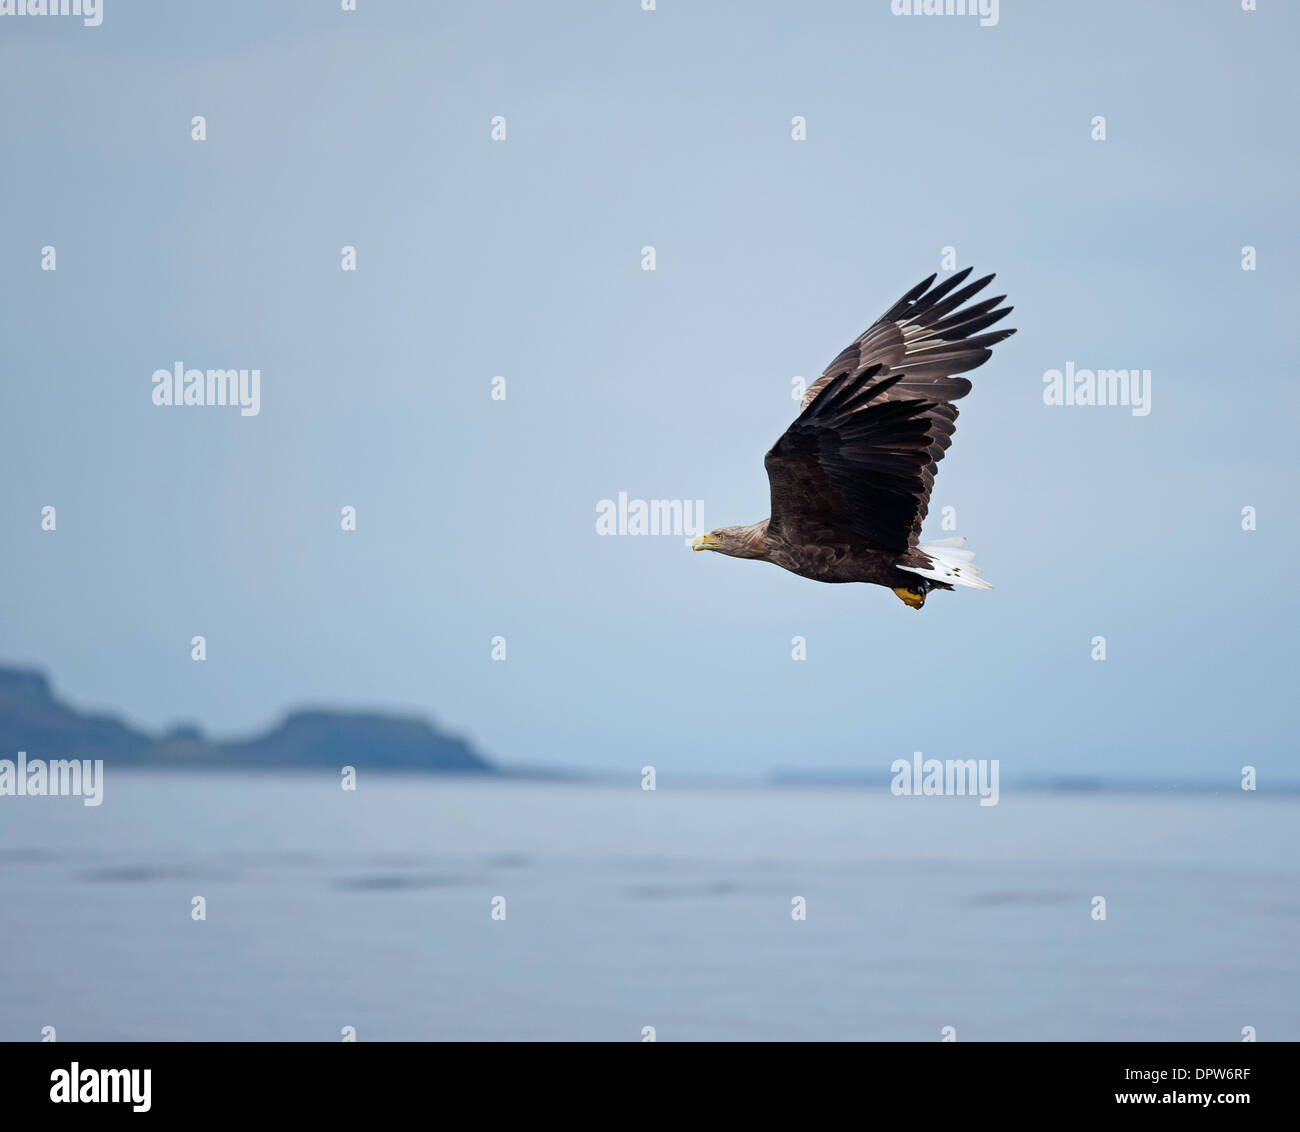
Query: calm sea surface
x=626 y=909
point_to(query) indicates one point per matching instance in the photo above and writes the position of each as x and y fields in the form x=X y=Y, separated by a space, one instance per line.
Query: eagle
x=850 y=479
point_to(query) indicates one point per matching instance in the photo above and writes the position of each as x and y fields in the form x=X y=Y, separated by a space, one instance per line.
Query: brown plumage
x=851 y=477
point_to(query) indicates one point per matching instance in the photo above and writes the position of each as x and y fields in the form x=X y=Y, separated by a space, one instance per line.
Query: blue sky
x=522 y=258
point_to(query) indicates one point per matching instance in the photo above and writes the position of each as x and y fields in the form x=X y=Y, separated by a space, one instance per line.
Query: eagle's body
x=822 y=562
x=851 y=477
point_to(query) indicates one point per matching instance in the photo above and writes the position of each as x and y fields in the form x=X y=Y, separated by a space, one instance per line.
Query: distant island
x=32 y=720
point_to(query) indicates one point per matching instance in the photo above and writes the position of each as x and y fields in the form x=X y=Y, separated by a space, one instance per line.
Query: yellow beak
x=705 y=542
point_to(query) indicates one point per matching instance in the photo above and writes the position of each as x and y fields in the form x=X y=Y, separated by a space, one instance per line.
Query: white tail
x=950 y=564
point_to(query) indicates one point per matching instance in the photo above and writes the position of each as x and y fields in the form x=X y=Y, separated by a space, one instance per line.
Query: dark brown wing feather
x=851 y=467
x=922 y=340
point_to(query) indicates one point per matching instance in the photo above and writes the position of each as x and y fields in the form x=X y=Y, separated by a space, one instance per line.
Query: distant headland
x=33 y=720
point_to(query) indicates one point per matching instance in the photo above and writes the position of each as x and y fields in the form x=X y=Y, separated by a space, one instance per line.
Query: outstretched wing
x=852 y=467
x=923 y=339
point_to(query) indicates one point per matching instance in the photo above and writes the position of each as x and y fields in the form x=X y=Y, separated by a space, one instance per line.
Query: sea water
x=260 y=907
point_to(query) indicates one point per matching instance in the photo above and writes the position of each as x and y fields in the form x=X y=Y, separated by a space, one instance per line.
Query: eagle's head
x=737 y=542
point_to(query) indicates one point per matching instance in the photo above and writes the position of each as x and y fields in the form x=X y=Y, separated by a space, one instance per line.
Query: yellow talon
x=910 y=596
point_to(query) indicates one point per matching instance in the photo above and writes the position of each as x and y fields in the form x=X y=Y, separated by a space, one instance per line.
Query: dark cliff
x=33 y=720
